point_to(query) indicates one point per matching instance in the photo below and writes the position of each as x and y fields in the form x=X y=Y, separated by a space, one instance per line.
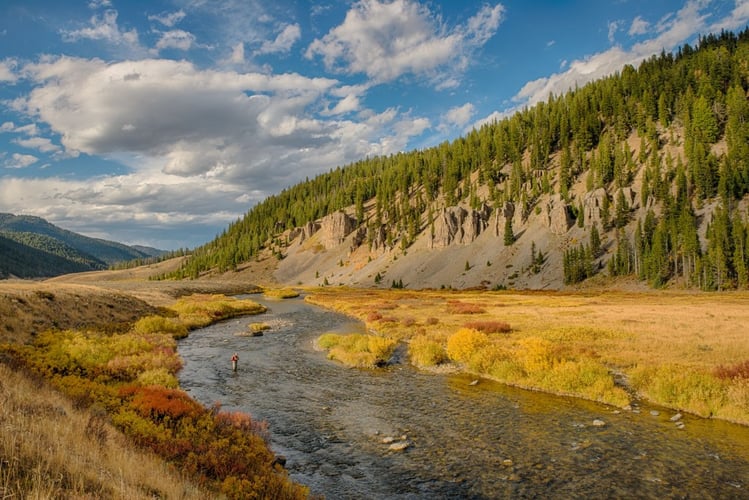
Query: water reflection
x=335 y=425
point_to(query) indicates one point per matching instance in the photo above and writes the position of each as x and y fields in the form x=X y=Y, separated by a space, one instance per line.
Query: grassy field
x=687 y=351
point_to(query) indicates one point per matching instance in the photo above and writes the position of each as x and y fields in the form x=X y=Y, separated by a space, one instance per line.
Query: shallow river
x=465 y=441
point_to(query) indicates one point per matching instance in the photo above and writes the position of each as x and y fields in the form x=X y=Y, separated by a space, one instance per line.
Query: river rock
x=655 y=413
x=676 y=417
x=387 y=440
x=399 y=446
x=507 y=462
x=279 y=460
x=598 y=423
x=474 y=382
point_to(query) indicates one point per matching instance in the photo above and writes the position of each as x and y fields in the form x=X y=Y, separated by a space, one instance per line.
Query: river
x=334 y=425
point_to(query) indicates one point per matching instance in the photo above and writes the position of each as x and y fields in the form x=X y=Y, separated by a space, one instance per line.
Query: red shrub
x=432 y=321
x=737 y=371
x=158 y=402
x=489 y=326
x=374 y=316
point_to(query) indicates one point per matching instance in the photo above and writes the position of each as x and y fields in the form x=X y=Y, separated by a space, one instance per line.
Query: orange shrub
x=731 y=372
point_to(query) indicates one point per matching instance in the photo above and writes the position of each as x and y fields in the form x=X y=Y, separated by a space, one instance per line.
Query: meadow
x=685 y=351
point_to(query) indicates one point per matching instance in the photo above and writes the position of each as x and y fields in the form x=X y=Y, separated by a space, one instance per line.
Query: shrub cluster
x=458 y=307
x=356 y=349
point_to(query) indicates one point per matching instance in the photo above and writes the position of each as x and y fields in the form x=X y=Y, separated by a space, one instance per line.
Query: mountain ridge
x=32 y=247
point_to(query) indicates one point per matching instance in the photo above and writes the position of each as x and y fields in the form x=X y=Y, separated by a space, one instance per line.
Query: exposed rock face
x=592 y=204
x=308 y=230
x=334 y=228
x=377 y=236
x=558 y=217
x=456 y=224
x=507 y=211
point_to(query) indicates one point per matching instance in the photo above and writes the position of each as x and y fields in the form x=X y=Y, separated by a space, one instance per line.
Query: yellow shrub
x=160 y=324
x=357 y=349
x=281 y=293
x=682 y=387
x=158 y=376
x=462 y=344
x=425 y=352
x=535 y=354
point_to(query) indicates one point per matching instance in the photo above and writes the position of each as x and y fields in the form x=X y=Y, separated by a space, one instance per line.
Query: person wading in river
x=234 y=359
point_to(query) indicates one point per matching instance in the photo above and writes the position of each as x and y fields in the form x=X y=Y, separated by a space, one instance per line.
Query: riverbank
x=684 y=351
x=102 y=356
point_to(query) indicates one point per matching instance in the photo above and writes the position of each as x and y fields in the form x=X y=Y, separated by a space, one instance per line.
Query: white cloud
x=7 y=127
x=738 y=18
x=168 y=19
x=105 y=28
x=460 y=115
x=613 y=28
x=288 y=36
x=639 y=26
x=42 y=144
x=95 y=4
x=7 y=73
x=18 y=160
x=385 y=40
x=237 y=54
x=175 y=39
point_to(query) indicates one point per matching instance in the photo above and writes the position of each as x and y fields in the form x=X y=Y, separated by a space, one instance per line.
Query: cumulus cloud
x=613 y=28
x=385 y=40
x=175 y=39
x=283 y=42
x=459 y=115
x=18 y=160
x=172 y=124
x=105 y=28
x=41 y=144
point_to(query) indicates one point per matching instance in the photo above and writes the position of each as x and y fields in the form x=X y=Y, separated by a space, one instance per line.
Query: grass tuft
x=357 y=350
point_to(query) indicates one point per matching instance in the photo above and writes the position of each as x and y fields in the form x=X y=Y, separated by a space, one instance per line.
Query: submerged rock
x=399 y=446
x=676 y=417
x=598 y=423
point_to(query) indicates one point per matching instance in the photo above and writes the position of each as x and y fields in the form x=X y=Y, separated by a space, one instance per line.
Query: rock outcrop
x=458 y=225
x=334 y=228
x=592 y=204
x=557 y=215
x=308 y=230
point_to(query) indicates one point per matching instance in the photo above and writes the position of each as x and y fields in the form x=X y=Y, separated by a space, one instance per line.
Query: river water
x=335 y=424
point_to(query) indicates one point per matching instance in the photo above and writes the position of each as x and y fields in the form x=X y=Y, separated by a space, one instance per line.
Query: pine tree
x=509 y=236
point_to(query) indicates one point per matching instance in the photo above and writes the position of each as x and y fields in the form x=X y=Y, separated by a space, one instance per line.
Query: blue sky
x=160 y=122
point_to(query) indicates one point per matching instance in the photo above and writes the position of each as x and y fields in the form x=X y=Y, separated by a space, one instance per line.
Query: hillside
x=642 y=176
x=31 y=247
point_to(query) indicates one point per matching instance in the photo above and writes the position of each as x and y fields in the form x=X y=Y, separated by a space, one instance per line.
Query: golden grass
x=357 y=350
x=199 y=310
x=49 y=449
x=669 y=345
x=280 y=293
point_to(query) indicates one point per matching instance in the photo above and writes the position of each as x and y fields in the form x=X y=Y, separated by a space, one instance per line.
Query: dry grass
x=683 y=350
x=357 y=350
x=49 y=449
x=280 y=293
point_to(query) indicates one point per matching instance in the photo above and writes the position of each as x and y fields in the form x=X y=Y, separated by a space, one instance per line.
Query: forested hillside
x=643 y=174
x=31 y=247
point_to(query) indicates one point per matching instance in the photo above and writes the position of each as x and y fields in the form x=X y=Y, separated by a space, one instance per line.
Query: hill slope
x=642 y=175
x=31 y=247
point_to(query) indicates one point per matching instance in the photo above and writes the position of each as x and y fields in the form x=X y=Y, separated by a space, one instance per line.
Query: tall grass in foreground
x=130 y=378
x=49 y=449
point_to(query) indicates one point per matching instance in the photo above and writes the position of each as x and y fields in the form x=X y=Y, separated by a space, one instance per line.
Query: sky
x=160 y=122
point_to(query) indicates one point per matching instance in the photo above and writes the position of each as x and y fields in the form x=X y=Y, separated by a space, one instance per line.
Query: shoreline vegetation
x=97 y=355
x=680 y=350
x=113 y=386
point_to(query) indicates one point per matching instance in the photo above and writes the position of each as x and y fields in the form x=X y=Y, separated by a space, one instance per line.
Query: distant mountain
x=642 y=176
x=31 y=247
